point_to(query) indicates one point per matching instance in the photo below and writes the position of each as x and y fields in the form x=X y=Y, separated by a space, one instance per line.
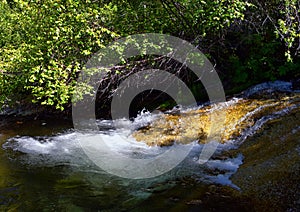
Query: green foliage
x=289 y=28
x=141 y=17
x=256 y=49
x=260 y=59
x=190 y=18
x=44 y=44
x=51 y=41
x=206 y=16
x=261 y=63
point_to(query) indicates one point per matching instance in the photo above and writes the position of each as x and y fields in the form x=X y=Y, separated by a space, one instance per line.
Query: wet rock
x=174 y=199
x=225 y=121
x=296 y=84
x=270 y=172
x=160 y=187
x=267 y=87
x=194 y=202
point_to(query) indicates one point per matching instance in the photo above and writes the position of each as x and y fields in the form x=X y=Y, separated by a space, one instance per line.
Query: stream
x=44 y=168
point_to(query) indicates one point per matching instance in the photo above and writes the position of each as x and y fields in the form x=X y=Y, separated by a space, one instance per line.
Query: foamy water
x=65 y=149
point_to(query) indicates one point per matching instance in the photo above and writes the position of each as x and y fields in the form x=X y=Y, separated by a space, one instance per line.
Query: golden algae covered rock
x=195 y=124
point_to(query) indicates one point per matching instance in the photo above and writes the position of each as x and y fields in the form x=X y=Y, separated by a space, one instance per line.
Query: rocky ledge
x=225 y=121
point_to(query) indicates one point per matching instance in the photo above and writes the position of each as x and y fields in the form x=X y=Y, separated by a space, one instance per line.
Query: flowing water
x=43 y=167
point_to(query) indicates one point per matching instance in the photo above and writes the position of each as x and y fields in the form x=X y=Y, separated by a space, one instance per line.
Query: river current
x=44 y=168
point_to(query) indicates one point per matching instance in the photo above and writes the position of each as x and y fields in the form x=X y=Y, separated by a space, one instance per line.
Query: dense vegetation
x=45 y=43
